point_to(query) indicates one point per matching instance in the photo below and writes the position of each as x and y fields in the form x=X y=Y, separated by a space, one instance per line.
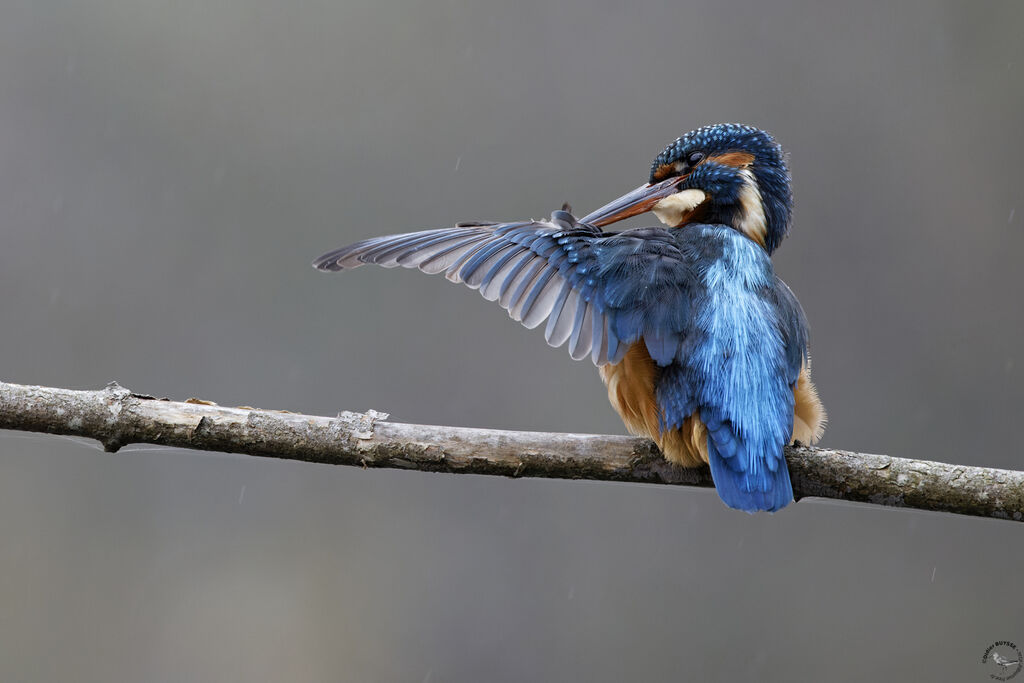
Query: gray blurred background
x=169 y=169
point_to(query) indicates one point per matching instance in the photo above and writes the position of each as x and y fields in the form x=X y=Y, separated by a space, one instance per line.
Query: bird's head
x=727 y=173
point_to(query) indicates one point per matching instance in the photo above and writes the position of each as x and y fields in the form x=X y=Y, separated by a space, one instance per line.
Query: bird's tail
x=749 y=476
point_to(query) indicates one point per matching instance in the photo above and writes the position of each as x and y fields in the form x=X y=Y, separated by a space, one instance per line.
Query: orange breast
x=809 y=416
x=631 y=386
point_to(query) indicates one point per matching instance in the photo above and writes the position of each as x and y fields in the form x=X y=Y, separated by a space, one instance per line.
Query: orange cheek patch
x=664 y=171
x=737 y=159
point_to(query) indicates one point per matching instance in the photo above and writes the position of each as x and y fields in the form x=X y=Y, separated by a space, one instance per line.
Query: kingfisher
x=701 y=346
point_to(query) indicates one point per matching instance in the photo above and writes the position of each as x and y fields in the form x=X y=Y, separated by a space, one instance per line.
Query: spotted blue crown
x=769 y=168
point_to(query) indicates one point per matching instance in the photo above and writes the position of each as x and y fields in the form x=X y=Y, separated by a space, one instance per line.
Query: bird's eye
x=694 y=158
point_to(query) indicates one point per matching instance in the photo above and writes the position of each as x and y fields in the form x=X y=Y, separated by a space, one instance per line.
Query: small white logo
x=1003 y=660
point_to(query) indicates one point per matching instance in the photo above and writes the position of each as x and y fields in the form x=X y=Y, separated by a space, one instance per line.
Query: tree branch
x=117 y=417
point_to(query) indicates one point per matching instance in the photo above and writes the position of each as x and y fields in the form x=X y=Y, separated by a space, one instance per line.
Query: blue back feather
x=730 y=339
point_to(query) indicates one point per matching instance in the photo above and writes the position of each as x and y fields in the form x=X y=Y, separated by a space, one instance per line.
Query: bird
x=701 y=346
x=1003 y=661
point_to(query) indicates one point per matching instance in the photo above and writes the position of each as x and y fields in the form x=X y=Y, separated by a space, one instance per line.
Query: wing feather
x=516 y=281
x=529 y=302
x=389 y=253
x=493 y=281
x=445 y=258
x=600 y=292
x=599 y=342
x=541 y=300
x=474 y=272
x=562 y=315
x=582 y=332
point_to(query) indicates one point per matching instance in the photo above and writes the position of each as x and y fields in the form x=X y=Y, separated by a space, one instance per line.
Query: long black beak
x=636 y=202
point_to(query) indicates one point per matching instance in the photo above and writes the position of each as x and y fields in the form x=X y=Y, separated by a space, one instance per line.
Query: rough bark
x=117 y=417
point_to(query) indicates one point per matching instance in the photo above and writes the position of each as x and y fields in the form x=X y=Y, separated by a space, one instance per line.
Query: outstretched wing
x=599 y=291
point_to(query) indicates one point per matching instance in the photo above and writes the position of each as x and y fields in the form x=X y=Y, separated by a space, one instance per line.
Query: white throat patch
x=752 y=221
x=672 y=209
